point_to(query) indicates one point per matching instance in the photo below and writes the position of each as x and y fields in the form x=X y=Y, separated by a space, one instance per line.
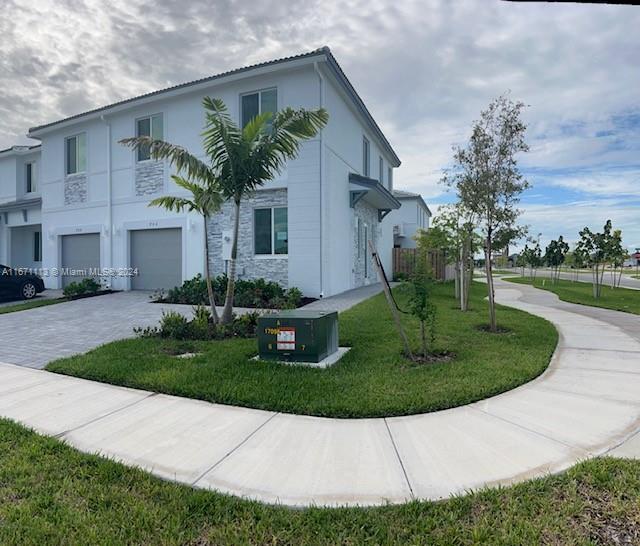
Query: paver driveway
x=35 y=337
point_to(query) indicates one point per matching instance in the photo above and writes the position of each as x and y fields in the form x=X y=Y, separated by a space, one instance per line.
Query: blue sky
x=425 y=68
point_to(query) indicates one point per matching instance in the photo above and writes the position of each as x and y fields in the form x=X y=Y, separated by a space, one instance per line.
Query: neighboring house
x=411 y=217
x=20 y=207
x=308 y=228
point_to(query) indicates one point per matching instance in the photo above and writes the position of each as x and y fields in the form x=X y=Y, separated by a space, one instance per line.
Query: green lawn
x=372 y=380
x=52 y=494
x=618 y=299
x=32 y=304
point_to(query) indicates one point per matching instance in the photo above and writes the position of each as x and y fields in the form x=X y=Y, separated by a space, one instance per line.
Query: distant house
x=412 y=216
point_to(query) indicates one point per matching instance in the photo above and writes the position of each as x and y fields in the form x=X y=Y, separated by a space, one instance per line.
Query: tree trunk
x=227 y=313
x=423 y=334
x=212 y=303
x=457 y=279
x=466 y=278
x=492 y=305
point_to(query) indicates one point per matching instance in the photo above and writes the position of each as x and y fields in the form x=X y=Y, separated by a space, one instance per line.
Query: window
x=76 y=153
x=256 y=103
x=390 y=178
x=271 y=235
x=151 y=127
x=381 y=170
x=37 y=246
x=30 y=177
x=365 y=156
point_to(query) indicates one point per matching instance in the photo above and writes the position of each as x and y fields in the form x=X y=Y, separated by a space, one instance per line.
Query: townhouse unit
x=80 y=200
x=411 y=217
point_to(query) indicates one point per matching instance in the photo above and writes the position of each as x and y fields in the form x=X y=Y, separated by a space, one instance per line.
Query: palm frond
x=173 y=203
x=177 y=156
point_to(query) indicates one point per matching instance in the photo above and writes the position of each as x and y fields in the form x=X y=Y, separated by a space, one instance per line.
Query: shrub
x=176 y=326
x=257 y=293
x=85 y=286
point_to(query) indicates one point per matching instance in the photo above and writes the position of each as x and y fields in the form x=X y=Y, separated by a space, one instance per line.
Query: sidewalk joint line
x=395 y=448
x=589 y=396
x=108 y=414
x=224 y=457
x=530 y=430
x=602 y=370
x=603 y=350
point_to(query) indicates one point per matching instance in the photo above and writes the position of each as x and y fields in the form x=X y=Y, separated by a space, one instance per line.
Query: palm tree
x=206 y=198
x=244 y=159
x=241 y=160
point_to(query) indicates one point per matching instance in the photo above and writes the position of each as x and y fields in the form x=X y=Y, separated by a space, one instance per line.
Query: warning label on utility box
x=286 y=338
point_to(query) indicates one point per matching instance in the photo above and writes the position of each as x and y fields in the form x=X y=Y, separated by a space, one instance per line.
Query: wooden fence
x=405 y=259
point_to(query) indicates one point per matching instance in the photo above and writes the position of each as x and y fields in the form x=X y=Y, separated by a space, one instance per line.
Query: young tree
x=488 y=181
x=595 y=248
x=240 y=159
x=555 y=255
x=617 y=255
x=420 y=304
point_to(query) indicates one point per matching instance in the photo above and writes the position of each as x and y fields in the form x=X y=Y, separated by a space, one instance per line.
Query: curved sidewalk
x=585 y=404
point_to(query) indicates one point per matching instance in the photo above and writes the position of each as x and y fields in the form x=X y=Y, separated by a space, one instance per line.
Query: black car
x=19 y=283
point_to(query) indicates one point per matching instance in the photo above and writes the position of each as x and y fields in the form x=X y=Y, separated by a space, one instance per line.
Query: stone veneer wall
x=75 y=189
x=149 y=177
x=368 y=215
x=248 y=265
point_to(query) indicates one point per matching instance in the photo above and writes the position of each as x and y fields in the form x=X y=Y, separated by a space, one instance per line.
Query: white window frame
x=381 y=169
x=259 y=93
x=366 y=156
x=273 y=232
x=86 y=152
x=390 y=177
x=135 y=131
x=30 y=166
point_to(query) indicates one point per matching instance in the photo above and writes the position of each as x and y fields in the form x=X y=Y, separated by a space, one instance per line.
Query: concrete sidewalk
x=585 y=404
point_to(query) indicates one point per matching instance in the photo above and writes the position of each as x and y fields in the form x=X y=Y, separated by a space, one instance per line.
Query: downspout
x=321 y=102
x=109 y=193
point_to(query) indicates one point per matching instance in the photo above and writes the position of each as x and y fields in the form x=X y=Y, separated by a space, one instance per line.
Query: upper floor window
x=390 y=178
x=256 y=103
x=270 y=231
x=366 y=159
x=30 y=177
x=150 y=126
x=381 y=170
x=76 y=154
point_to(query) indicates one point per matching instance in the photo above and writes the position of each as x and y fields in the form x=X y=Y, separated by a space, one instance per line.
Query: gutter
x=109 y=195
x=322 y=174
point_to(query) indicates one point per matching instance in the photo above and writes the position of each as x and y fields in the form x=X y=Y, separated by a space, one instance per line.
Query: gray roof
x=20 y=204
x=24 y=149
x=323 y=51
x=401 y=194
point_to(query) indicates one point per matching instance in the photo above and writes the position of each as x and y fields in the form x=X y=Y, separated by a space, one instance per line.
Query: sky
x=424 y=68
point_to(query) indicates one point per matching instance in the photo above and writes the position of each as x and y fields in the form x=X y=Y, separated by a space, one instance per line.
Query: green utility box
x=298 y=336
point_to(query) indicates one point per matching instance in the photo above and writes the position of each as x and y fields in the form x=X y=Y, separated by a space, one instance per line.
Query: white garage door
x=81 y=253
x=157 y=255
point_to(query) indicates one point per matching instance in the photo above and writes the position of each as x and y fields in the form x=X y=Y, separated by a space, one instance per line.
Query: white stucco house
x=406 y=221
x=79 y=200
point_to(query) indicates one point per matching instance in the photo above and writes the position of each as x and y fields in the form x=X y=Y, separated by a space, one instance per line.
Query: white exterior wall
x=343 y=154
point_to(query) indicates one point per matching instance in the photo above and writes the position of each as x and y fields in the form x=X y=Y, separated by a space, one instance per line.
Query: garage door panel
x=157 y=255
x=80 y=252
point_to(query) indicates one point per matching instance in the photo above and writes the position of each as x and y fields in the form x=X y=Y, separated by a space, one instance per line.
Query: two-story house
x=309 y=228
x=409 y=219
x=20 y=207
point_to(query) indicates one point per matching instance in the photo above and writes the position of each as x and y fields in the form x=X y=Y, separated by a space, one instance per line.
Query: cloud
x=424 y=68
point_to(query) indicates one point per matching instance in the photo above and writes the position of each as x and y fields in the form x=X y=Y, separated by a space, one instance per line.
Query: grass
x=52 y=494
x=618 y=299
x=32 y=304
x=372 y=380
